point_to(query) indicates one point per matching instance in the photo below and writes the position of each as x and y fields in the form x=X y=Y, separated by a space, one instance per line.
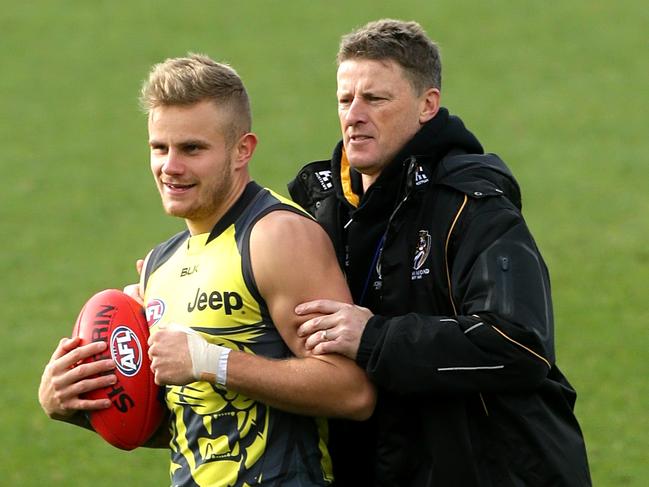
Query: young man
x=221 y=299
x=453 y=316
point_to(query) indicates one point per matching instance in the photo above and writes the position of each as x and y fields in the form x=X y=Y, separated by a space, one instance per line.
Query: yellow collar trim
x=346 y=180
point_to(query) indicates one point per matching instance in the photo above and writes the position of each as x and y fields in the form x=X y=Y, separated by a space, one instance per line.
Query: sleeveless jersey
x=221 y=438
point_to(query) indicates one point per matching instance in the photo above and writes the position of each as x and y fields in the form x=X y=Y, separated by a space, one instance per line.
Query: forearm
x=162 y=437
x=79 y=418
x=329 y=387
x=314 y=386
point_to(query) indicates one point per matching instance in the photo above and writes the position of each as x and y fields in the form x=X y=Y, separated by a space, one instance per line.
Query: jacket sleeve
x=500 y=336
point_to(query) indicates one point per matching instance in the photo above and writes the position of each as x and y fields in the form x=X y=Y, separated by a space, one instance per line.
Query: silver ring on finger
x=324 y=335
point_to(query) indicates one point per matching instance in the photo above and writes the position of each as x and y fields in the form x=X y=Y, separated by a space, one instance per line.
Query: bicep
x=293 y=261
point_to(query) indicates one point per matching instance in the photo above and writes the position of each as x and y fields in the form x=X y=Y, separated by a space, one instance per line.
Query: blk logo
x=188 y=271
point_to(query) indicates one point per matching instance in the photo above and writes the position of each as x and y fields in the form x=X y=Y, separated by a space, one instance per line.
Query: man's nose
x=173 y=163
x=357 y=112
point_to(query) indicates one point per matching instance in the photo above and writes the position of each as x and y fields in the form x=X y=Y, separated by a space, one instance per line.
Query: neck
x=197 y=226
x=368 y=180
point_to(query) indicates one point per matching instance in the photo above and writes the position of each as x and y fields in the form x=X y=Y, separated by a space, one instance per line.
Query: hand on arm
x=337 y=329
x=293 y=262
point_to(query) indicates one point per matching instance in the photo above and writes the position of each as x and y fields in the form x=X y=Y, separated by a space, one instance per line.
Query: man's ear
x=429 y=105
x=244 y=149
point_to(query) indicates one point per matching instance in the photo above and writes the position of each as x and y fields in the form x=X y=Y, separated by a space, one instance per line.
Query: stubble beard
x=207 y=203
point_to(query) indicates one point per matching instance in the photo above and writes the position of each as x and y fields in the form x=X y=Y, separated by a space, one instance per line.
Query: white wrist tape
x=209 y=361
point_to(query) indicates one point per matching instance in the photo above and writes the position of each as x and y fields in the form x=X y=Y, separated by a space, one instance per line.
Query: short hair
x=406 y=43
x=195 y=78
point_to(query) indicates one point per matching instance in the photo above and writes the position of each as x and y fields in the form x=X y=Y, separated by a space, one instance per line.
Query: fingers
x=87 y=372
x=319 y=323
x=138 y=266
x=70 y=397
x=85 y=377
x=65 y=345
x=170 y=356
x=133 y=290
x=92 y=349
x=337 y=332
x=332 y=340
x=66 y=378
x=320 y=336
x=323 y=306
x=329 y=346
x=69 y=352
x=65 y=401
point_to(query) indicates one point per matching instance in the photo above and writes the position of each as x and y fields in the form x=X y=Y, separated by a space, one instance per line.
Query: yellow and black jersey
x=220 y=438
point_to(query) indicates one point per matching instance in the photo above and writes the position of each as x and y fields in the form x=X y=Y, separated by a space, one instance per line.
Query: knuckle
x=82 y=371
x=77 y=372
x=49 y=370
x=56 y=383
x=58 y=398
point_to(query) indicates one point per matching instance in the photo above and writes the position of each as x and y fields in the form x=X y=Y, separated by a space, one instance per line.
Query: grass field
x=558 y=89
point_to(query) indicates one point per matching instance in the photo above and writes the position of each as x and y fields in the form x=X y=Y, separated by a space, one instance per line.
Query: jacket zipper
x=409 y=184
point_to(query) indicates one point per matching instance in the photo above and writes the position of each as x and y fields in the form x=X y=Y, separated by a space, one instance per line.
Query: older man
x=453 y=316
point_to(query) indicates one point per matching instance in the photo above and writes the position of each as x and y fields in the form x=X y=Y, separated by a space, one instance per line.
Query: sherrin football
x=137 y=410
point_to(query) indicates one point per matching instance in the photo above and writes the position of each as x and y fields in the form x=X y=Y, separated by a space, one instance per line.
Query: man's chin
x=364 y=166
x=178 y=212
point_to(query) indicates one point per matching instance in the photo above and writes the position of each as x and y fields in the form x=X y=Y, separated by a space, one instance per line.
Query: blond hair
x=195 y=78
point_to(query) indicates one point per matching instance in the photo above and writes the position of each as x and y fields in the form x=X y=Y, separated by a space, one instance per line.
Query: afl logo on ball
x=126 y=351
x=154 y=311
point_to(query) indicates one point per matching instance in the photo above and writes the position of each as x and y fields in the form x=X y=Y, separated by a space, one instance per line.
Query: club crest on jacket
x=422 y=250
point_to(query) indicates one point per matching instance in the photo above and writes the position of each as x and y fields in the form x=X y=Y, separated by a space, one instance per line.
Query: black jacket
x=461 y=346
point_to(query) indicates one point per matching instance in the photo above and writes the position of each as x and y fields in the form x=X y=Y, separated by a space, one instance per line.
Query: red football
x=117 y=319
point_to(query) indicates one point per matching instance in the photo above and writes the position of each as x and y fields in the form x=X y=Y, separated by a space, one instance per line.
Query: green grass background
x=558 y=89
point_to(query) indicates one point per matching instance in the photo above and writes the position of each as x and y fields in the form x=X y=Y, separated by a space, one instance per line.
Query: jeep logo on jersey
x=154 y=311
x=126 y=351
x=229 y=301
x=324 y=178
x=422 y=250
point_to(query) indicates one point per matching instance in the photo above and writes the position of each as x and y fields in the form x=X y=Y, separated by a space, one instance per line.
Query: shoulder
x=266 y=202
x=479 y=176
x=312 y=184
x=289 y=242
x=160 y=254
x=164 y=250
x=291 y=256
x=287 y=226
